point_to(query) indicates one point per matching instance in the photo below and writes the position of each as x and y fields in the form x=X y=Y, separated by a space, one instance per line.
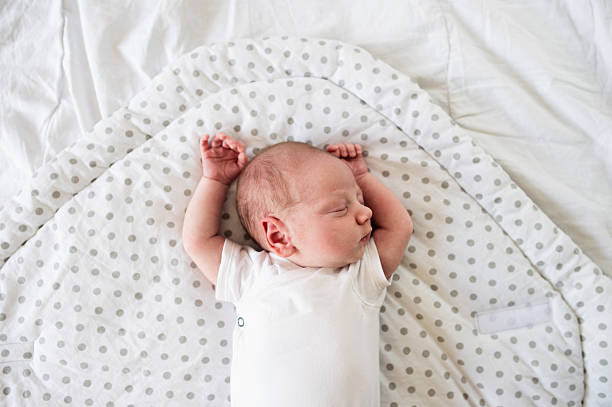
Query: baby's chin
x=343 y=261
x=332 y=260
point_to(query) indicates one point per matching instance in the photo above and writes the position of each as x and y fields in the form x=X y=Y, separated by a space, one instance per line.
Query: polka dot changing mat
x=99 y=305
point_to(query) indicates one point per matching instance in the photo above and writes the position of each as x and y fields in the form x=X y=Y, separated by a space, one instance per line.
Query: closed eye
x=340 y=211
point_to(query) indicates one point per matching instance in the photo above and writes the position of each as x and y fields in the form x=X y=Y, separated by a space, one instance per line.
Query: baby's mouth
x=366 y=237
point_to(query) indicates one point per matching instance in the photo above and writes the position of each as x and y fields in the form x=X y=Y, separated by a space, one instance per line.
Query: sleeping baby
x=307 y=329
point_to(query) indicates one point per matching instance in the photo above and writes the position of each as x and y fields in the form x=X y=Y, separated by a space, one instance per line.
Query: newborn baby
x=307 y=330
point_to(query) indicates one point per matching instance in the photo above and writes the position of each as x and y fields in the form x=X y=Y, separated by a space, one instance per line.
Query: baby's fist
x=222 y=158
x=352 y=155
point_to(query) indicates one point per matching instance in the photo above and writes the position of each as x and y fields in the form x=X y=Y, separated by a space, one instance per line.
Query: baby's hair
x=263 y=189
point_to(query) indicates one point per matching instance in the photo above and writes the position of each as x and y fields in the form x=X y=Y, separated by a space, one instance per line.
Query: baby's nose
x=364 y=214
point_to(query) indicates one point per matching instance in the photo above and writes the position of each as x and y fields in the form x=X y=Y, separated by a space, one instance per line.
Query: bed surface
x=530 y=81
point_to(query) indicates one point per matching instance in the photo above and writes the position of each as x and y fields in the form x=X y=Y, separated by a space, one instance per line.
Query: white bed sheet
x=464 y=205
x=530 y=80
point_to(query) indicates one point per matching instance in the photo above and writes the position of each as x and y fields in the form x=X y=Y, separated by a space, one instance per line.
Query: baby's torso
x=305 y=339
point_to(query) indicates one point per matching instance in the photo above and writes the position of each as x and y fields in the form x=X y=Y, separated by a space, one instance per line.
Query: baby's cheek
x=330 y=240
x=339 y=241
x=323 y=241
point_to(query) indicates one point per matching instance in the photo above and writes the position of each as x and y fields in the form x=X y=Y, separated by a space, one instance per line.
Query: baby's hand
x=352 y=155
x=223 y=158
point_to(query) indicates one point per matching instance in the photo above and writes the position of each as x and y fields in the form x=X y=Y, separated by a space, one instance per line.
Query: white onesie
x=303 y=336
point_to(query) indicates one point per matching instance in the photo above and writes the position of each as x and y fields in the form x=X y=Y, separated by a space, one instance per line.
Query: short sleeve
x=369 y=279
x=237 y=271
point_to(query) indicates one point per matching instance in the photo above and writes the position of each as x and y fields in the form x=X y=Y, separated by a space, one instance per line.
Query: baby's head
x=304 y=204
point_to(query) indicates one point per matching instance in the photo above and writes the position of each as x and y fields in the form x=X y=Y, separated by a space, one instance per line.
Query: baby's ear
x=277 y=237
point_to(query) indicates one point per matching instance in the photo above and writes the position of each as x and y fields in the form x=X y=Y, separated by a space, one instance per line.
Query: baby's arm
x=394 y=226
x=222 y=160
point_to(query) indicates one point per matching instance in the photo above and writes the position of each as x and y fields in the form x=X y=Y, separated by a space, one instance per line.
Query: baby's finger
x=217 y=141
x=332 y=149
x=358 y=149
x=343 y=152
x=351 y=150
x=240 y=147
x=242 y=160
x=231 y=144
x=204 y=143
x=235 y=145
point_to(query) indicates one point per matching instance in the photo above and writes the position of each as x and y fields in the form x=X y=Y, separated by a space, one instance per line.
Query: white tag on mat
x=520 y=316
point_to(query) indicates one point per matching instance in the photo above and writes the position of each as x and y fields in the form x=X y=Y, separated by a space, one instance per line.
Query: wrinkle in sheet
x=78 y=70
x=30 y=96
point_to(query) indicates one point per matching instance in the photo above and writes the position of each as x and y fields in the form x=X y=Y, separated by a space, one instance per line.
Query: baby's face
x=330 y=227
